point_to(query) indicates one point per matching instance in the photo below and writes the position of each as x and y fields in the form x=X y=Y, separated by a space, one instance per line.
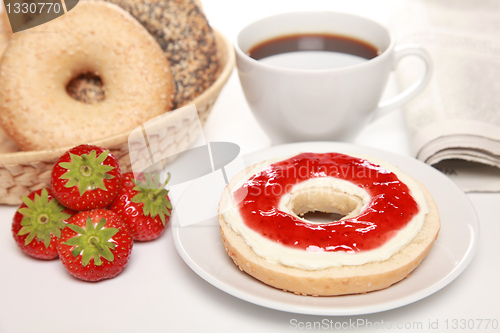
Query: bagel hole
x=321 y=217
x=86 y=88
x=324 y=205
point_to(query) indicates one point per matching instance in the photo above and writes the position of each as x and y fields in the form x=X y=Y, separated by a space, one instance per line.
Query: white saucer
x=200 y=245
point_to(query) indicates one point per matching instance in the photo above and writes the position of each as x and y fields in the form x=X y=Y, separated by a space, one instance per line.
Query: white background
x=157 y=292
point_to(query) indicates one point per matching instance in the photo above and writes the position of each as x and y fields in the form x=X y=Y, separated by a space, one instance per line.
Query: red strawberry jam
x=390 y=209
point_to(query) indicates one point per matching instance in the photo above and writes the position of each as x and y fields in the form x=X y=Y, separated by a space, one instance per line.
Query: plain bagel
x=94 y=38
x=340 y=280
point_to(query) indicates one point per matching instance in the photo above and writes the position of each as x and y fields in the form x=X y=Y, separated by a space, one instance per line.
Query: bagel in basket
x=182 y=30
x=94 y=38
x=390 y=223
x=5 y=30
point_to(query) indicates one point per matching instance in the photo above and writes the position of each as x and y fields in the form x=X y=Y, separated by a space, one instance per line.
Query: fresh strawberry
x=144 y=205
x=96 y=245
x=37 y=224
x=86 y=177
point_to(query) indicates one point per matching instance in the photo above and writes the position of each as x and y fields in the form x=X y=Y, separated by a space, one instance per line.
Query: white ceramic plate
x=200 y=245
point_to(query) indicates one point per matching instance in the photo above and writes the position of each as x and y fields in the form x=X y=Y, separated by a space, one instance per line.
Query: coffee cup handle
x=416 y=88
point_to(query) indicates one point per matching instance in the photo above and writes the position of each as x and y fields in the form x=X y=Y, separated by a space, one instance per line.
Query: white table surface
x=158 y=292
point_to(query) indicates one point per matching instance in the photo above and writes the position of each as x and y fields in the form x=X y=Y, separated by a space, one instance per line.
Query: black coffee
x=313 y=51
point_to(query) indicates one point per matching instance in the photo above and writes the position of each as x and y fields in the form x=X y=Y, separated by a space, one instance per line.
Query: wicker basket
x=25 y=171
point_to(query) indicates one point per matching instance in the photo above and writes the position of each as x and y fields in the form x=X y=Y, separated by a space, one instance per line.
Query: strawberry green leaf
x=108 y=233
x=100 y=225
x=107 y=254
x=71 y=183
x=65 y=165
x=38 y=200
x=24 y=211
x=86 y=171
x=101 y=157
x=93 y=242
x=87 y=255
x=46 y=238
x=24 y=231
x=28 y=202
x=76 y=228
x=41 y=218
x=30 y=238
x=74 y=241
x=76 y=251
x=90 y=224
x=56 y=232
x=153 y=195
x=97 y=259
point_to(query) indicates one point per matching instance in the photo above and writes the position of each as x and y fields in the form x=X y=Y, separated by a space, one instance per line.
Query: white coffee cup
x=330 y=104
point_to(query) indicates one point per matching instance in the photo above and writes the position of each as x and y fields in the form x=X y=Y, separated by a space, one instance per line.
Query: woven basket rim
x=23 y=157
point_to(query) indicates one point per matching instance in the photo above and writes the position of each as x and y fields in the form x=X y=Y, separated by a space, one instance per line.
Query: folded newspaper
x=455 y=122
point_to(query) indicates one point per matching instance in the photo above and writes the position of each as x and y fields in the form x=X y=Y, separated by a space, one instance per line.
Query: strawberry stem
x=86 y=171
x=94 y=242
x=152 y=196
x=43 y=219
x=162 y=187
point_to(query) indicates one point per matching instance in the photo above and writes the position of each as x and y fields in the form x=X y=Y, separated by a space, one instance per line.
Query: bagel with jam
x=389 y=224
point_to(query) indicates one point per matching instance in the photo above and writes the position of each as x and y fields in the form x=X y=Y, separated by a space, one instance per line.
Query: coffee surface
x=313 y=51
